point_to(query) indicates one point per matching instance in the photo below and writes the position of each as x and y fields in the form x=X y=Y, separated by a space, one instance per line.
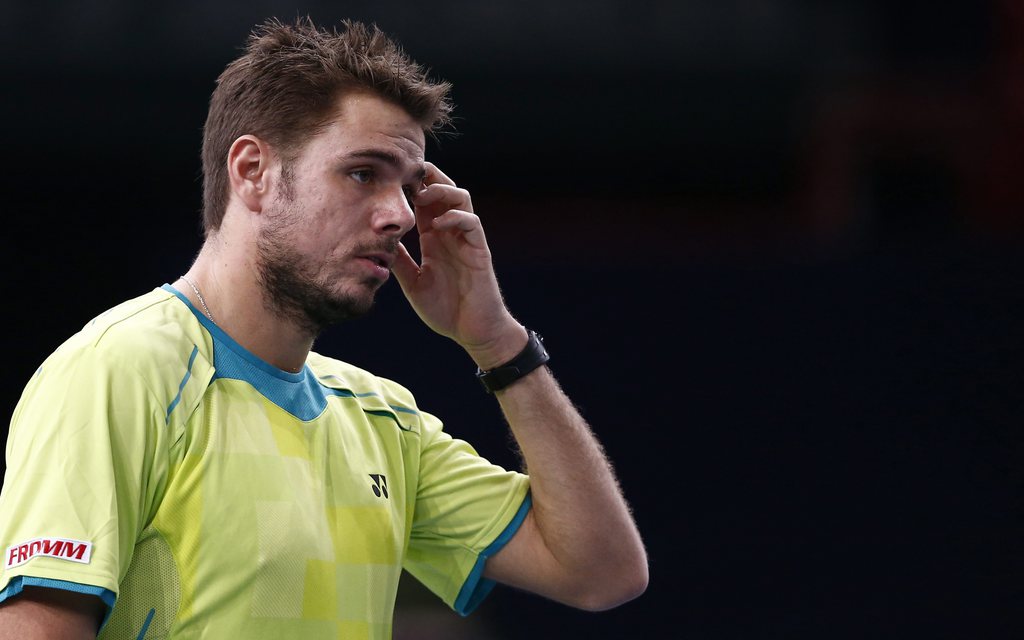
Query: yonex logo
x=380 y=484
x=60 y=548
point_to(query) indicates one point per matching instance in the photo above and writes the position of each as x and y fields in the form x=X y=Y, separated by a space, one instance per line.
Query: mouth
x=378 y=264
x=380 y=259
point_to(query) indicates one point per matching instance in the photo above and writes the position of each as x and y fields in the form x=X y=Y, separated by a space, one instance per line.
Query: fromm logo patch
x=60 y=548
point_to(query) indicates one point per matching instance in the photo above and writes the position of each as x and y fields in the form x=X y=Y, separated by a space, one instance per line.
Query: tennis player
x=187 y=467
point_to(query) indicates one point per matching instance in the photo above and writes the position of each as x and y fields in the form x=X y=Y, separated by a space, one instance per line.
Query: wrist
x=529 y=358
x=500 y=350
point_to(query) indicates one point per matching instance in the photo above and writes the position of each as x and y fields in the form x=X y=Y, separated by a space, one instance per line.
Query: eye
x=362 y=176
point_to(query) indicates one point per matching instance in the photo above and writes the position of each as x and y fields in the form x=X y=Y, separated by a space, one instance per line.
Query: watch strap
x=532 y=356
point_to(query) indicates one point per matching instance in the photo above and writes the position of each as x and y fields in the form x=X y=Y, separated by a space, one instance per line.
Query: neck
x=234 y=296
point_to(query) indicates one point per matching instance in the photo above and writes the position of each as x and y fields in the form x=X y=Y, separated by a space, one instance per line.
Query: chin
x=338 y=307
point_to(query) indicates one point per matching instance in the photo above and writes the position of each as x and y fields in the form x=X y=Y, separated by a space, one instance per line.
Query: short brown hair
x=285 y=86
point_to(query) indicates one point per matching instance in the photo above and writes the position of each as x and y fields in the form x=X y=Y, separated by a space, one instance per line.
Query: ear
x=248 y=170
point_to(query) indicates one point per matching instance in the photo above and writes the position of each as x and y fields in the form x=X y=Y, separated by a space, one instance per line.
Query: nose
x=395 y=216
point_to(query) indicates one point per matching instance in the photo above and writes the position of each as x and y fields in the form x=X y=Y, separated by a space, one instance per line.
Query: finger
x=465 y=221
x=452 y=197
x=435 y=175
x=435 y=199
x=404 y=267
x=424 y=216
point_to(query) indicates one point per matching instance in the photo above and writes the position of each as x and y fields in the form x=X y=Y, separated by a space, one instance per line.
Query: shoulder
x=358 y=380
x=148 y=336
x=152 y=322
x=373 y=392
x=126 y=367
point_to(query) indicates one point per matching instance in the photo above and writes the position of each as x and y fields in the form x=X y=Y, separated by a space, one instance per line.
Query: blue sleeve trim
x=18 y=584
x=477 y=587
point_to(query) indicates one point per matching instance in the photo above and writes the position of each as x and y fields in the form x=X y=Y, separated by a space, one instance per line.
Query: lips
x=384 y=260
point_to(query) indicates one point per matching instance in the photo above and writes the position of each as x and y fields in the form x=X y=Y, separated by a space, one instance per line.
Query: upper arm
x=85 y=454
x=526 y=563
x=464 y=507
x=41 y=613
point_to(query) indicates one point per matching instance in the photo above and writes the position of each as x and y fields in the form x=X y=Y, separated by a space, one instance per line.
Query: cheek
x=324 y=222
x=330 y=243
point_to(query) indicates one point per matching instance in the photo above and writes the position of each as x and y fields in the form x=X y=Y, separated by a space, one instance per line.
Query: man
x=186 y=466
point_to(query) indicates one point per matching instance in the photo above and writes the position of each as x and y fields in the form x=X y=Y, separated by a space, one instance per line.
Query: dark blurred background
x=773 y=246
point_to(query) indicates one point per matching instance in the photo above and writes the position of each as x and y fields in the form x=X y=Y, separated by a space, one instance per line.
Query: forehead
x=366 y=121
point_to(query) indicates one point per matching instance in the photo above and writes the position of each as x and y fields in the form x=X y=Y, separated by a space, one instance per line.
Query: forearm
x=591 y=553
x=578 y=544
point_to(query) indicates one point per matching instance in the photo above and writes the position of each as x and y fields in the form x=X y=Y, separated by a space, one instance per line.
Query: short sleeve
x=466 y=510
x=86 y=452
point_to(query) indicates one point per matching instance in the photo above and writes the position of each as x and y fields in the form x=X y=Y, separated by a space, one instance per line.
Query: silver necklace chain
x=200 y=296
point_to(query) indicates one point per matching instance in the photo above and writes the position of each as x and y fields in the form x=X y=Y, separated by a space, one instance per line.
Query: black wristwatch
x=532 y=356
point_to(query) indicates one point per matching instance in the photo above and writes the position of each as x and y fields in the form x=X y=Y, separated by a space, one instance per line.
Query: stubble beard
x=292 y=287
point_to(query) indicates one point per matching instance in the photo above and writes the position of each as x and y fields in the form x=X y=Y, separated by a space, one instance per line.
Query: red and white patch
x=60 y=548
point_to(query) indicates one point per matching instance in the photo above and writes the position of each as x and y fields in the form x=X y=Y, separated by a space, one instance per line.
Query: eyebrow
x=384 y=156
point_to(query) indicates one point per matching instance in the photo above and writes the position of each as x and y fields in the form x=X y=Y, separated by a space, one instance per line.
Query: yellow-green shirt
x=203 y=493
